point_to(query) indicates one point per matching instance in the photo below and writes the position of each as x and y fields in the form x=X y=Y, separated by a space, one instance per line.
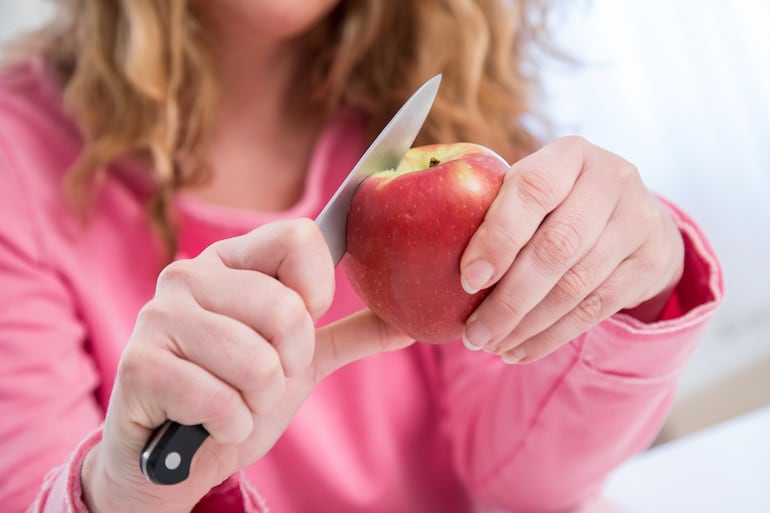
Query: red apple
x=407 y=230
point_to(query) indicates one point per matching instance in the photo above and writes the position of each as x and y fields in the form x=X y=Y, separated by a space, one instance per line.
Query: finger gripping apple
x=407 y=230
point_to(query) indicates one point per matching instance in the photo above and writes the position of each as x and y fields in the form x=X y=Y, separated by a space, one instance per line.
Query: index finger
x=533 y=187
x=292 y=251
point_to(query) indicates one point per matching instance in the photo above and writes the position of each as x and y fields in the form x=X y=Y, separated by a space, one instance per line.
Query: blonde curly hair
x=138 y=79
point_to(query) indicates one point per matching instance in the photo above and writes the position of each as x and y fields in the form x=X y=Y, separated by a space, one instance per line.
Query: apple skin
x=407 y=230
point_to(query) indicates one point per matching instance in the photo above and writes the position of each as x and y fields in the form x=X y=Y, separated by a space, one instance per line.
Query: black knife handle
x=169 y=451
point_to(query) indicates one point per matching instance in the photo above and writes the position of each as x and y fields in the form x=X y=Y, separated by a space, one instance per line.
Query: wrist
x=651 y=310
x=89 y=476
x=101 y=493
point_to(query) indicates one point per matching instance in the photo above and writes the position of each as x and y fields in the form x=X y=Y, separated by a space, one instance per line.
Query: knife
x=386 y=152
x=169 y=451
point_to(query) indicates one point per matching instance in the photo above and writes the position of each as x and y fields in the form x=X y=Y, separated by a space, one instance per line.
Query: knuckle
x=506 y=305
x=156 y=322
x=626 y=172
x=271 y=370
x=152 y=314
x=258 y=376
x=592 y=309
x=534 y=189
x=505 y=235
x=141 y=358
x=588 y=311
x=223 y=403
x=575 y=141
x=259 y=368
x=132 y=367
x=572 y=287
x=301 y=231
x=138 y=370
x=576 y=145
x=289 y=311
x=556 y=246
x=177 y=273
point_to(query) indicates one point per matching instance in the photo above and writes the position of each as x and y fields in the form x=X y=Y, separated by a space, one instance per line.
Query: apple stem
x=434 y=162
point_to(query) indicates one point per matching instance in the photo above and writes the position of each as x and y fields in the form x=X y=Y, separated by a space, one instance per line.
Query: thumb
x=357 y=336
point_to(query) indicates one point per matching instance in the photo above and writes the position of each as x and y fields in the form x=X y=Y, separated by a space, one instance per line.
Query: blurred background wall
x=682 y=90
x=18 y=15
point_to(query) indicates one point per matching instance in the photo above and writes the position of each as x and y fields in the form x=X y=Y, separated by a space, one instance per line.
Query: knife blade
x=169 y=451
x=385 y=152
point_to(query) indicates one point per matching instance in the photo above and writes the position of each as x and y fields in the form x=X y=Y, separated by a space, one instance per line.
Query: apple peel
x=408 y=229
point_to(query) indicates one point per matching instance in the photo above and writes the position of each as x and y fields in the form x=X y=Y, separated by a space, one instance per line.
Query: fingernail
x=514 y=356
x=476 y=335
x=476 y=276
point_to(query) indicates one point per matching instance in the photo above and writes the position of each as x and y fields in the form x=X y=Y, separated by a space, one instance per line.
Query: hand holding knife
x=167 y=456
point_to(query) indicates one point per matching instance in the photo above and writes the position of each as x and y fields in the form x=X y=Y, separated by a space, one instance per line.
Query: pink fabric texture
x=429 y=428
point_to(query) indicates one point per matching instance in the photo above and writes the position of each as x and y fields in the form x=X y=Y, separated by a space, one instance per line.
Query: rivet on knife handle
x=169 y=451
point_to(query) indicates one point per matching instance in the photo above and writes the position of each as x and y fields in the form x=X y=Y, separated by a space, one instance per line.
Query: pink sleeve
x=47 y=379
x=543 y=436
x=61 y=491
x=50 y=416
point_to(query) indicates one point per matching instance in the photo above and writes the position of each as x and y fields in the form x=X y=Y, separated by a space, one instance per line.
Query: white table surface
x=722 y=469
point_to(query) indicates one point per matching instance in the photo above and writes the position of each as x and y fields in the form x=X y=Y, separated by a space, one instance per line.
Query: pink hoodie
x=425 y=429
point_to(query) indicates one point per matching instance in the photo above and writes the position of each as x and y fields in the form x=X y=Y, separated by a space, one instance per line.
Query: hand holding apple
x=519 y=260
x=407 y=230
x=572 y=238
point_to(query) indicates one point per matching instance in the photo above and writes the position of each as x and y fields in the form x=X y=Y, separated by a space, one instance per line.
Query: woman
x=159 y=161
